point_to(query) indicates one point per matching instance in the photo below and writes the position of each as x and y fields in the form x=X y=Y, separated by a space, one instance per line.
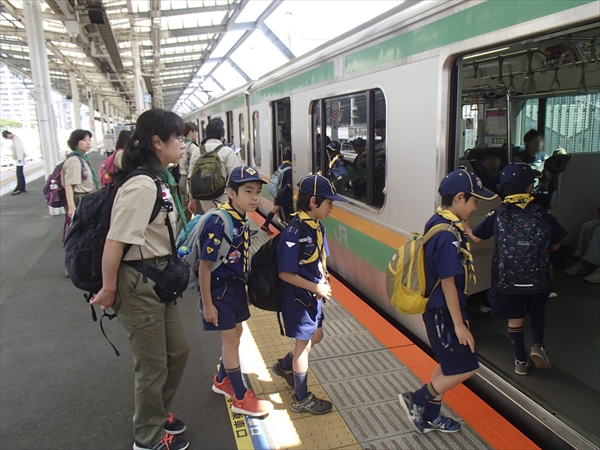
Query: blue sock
x=301 y=385
x=432 y=409
x=235 y=377
x=538 y=323
x=517 y=337
x=423 y=395
x=222 y=372
x=286 y=361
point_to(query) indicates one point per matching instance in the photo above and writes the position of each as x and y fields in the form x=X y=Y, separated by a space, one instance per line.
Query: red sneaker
x=250 y=405
x=224 y=387
x=267 y=230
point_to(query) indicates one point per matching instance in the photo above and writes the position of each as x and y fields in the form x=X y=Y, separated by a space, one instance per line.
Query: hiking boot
x=311 y=404
x=521 y=367
x=413 y=411
x=266 y=230
x=593 y=277
x=224 y=387
x=539 y=357
x=579 y=268
x=441 y=423
x=169 y=442
x=250 y=405
x=288 y=374
x=173 y=425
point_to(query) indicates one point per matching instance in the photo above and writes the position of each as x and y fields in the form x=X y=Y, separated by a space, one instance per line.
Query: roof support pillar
x=157 y=96
x=42 y=87
x=92 y=125
x=75 y=97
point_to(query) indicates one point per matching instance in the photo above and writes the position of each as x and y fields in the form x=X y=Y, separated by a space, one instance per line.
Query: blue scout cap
x=319 y=185
x=287 y=154
x=461 y=180
x=243 y=174
x=520 y=175
x=335 y=146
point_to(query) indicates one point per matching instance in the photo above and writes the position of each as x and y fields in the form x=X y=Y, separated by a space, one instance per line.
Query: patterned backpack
x=54 y=191
x=522 y=251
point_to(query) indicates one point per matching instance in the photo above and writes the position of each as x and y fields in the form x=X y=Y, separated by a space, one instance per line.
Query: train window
x=282 y=133
x=230 y=134
x=357 y=165
x=548 y=84
x=256 y=138
x=203 y=129
x=242 y=125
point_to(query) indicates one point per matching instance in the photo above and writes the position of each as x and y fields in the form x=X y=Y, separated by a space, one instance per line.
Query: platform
x=63 y=387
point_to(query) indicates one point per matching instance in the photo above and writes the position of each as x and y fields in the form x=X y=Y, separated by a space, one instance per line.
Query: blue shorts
x=453 y=357
x=231 y=301
x=507 y=306
x=302 y=317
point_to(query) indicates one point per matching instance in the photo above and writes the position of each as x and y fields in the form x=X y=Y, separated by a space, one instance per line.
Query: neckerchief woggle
x=86 y=158
x=520 y=200
x=466 y=252
x=231 y=210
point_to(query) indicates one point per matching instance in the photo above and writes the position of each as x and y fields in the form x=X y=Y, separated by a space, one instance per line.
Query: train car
x=415 y=93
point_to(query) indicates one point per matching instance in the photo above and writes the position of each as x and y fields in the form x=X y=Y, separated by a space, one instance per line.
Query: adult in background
x=78 y=175
x=155 y=328
x=18 y=154
x=533 y=154
x=109 y=143
x=215 y=133
x=190 y=133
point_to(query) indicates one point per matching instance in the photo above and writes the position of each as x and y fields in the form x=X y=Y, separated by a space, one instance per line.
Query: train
x=413 y=92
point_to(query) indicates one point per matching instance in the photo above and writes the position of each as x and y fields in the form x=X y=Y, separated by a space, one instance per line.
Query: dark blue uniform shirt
x=289 y=257
x=442 y=260
x=211 y=239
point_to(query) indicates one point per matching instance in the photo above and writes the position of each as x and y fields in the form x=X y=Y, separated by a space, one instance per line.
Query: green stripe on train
x=283 y=88
x=237 y=102
x=475 y=21
x=365 y=247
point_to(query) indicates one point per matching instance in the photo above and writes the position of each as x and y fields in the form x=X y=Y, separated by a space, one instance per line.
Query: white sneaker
x=577 y=269
x=553 y=295
x=593 y=277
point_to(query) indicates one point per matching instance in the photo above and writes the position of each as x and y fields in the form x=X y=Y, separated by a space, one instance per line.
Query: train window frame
x=318 y=156
x=230 y=132
x=242 y=136
x=256 y=149
x=277 y=153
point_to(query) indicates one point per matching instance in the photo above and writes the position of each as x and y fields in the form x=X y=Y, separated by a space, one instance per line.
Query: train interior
x=550 y=83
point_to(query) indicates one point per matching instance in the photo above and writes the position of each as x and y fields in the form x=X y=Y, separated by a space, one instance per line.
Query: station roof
x=202 y=47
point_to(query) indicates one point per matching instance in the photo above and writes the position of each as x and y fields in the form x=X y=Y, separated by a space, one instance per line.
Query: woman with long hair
x=140 y=235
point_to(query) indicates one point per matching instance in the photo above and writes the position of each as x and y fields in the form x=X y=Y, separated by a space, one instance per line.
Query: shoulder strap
x=219 y=148
x=285 y=169
x=439 y=228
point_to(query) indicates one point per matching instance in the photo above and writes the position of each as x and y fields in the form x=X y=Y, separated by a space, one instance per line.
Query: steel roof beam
x=270 y=35
x=217 y=82
x=239 y=70
x=179 y=44
x=181 y=12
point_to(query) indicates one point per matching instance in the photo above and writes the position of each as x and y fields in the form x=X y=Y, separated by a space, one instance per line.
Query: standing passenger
x=155 y=328
x=78 y=175
x=223 y=294
x=18 y=154
x=286 y=199
x=190 y=133
x=302 y=259
x=448 y=265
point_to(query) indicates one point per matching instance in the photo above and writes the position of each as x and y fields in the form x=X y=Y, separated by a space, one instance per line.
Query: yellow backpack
x=406 y=281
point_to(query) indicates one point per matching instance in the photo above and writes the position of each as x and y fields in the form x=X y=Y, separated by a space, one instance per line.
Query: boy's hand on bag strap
x=105 y=298
x=465 y=337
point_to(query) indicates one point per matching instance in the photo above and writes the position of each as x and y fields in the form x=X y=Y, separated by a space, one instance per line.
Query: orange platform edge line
x=490 y=425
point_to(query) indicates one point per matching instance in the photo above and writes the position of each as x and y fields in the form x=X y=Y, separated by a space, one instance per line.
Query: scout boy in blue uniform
x=286 y=199
x=517 y=181
x=448 y=265
x=301 y=256
x=224 y=300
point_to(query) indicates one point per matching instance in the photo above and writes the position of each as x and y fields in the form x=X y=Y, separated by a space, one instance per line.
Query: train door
x=230 y=133
x=242 y=136
x=282 y=129
x=256 y=156
x=534 y=102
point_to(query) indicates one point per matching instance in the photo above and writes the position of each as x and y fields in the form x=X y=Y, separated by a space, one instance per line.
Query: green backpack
x=207 y=181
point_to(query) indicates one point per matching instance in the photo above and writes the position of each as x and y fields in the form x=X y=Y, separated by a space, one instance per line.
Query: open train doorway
x=230 y=133
x=282 y=129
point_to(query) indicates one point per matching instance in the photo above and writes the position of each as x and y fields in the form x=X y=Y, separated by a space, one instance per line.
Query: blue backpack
x=522 y=251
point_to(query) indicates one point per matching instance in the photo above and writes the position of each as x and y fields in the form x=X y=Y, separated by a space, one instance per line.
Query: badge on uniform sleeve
x=216 y=241
x=211 y=235
x=209 y=250
x=290 y=244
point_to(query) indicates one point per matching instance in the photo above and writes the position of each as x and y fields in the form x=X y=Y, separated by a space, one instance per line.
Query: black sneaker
x=311 y=404
x=173 y=425
x=413 y=411
x=288 y=374
x=169 y=442
x=441 y=423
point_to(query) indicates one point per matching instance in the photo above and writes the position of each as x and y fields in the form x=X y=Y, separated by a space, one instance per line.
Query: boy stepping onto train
x=445 y=318
x=302 y=260
x=224 y=299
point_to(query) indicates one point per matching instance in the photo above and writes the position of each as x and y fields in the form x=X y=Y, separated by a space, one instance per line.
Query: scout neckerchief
x=315 y=225
x=166 y=176
x=520 y=200
x=334 y=160
x=287 y=161
x=86 y=158
x=466 y=252
x=227 y=207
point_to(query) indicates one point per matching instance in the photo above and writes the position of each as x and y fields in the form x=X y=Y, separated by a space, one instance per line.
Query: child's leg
x=222 y=372
x=517 y=337
x=286 y=361
x=300 y=365
x=270 y=216
x=231 y=358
